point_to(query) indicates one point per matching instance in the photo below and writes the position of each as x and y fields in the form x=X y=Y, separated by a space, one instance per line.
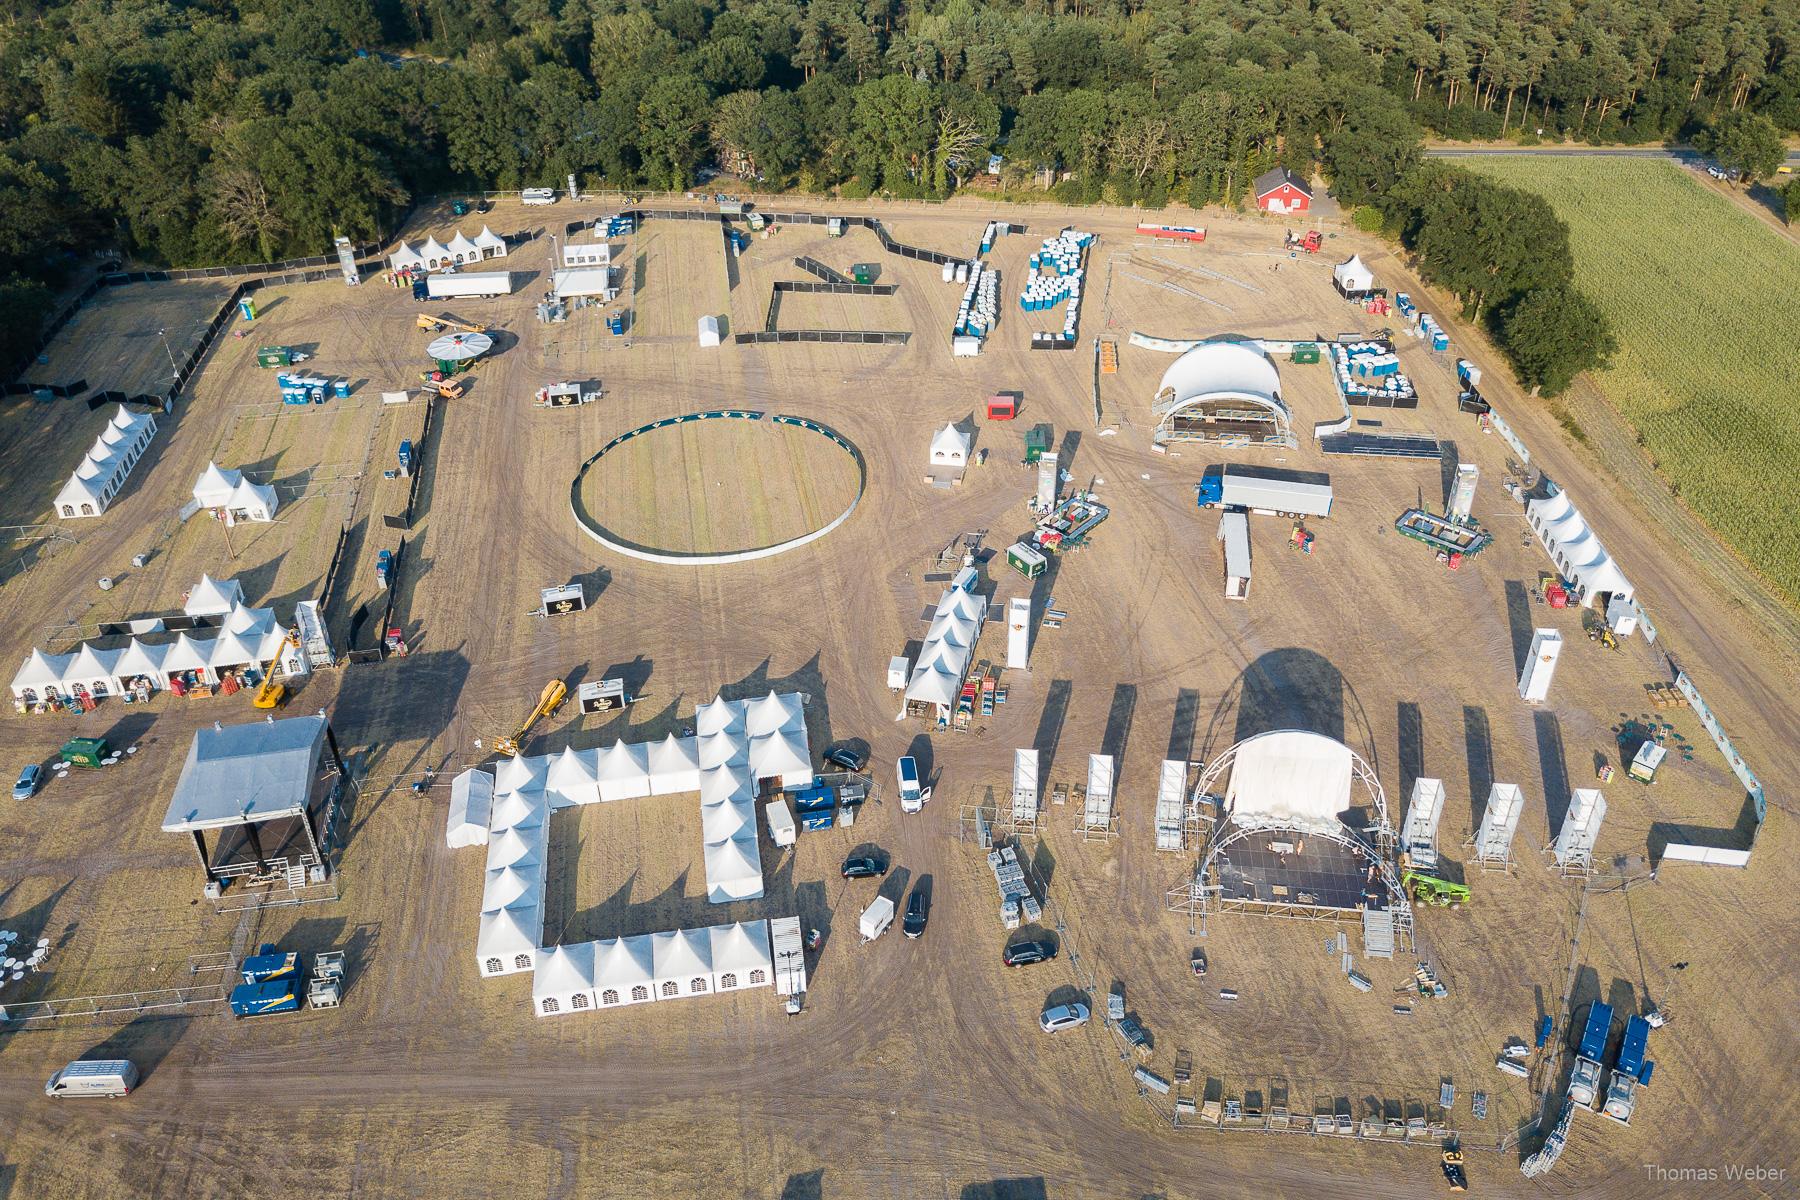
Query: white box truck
x=876 y=918
x=98 y=1077
x=1233 y=489
x=469 y=283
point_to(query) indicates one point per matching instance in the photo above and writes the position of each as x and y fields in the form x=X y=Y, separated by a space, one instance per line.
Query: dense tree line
x=241 y=130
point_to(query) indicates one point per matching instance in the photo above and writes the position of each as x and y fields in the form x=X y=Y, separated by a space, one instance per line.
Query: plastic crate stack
x=1015 y=897
x=979 y=311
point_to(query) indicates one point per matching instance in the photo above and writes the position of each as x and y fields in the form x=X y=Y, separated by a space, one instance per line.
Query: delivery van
x=98 y=1077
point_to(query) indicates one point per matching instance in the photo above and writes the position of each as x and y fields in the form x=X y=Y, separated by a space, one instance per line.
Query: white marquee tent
x=950 y=447
x=1353 y=276
x=674 y=766
x=471 y=808
x=507 y=941
x=492 y=244
x=1578 y=554
x=624 y=971
x=240 y=499
x=740 y=955
x=462 y=250
x=213 y=597
x=405 y=258
x=563 y=981
x=575 y=776
x=949 y=645
x=682 y=962
x=102 y=471
x=435 y=254
x=734 y=868
x=623 y=771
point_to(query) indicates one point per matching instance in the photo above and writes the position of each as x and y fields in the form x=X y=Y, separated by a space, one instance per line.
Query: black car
x=848 y=756
x=917 y=914
x=864 y=866
x=1023 y=954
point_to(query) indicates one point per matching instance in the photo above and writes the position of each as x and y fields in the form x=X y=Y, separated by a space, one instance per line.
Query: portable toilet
x=1002 y=406
x=247 y=307
x=340 y=388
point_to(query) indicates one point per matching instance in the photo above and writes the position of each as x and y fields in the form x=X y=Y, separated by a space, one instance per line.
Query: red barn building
x=1282 y=191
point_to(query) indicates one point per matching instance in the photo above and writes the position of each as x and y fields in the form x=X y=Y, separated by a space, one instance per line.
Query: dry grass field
x=918 y=1068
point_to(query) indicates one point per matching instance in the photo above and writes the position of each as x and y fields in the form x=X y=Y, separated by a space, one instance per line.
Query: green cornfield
x=1705 y=302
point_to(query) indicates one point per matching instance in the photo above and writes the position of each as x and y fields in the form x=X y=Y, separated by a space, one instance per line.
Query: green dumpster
x=274 y=356
x=84 y=752
x=1305 y=352
x=1037 y=442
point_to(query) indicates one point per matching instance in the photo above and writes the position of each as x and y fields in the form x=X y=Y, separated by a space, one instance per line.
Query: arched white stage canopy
x=1221 y=391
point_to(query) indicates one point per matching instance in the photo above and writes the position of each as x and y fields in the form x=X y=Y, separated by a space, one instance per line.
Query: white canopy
x=722 y=822
x=726 y=783
x=91 y=666
x=722 y=749
x=434 y=253
x=624 y=971
x=1290 y=779
x=949 y=645
x=40 y=671
x=950 y=447
x=507 y=941
x=709 y=330
x=575 y=775
x=141 y=658
x=108 y=461
x=405 y=258
x=734 y=869
x=517 y=772
x=740 y=955
x=623 y=771
x=720 y=716
x=681 y=960
x=563 y=981
x=462 y=249
x=517 y=810
x=506 y=886
x=188 y=654
x=773 y=713
x=214 y=487
x=515 y=846
x=674 y=766
x=569 y=282
x=213 y=597
x=471 y=804
x=781 y=754
x=1353 y=276
x=491 y=243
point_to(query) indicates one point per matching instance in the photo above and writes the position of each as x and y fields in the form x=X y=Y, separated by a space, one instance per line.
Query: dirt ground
x=719 y=486
x=917 y=1069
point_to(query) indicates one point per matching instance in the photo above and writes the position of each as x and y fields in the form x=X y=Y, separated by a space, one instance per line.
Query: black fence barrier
x=813 y=266
x=1382 y=401
x=833 y=337
x=836 y=289
x=332 y=568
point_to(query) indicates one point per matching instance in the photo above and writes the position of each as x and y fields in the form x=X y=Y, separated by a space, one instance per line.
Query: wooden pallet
x=1109 y=358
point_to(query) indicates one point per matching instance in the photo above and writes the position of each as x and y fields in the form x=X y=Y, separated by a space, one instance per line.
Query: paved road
x=1680 y=154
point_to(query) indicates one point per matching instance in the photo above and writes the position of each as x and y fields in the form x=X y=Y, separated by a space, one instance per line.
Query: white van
x=538 y=195
x=906 y=772
x=98 y=1077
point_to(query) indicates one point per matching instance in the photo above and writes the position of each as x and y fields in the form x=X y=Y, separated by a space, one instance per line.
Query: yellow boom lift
x=272 y=691
x=549 y=701
x=445 y=321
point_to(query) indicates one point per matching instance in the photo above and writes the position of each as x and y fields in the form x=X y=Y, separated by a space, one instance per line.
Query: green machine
x=1429 y=889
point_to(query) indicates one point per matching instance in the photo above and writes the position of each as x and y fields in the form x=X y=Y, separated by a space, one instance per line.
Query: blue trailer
x=269 y=963
x=265 y=999
x=406 y=457
x=1630 y=1072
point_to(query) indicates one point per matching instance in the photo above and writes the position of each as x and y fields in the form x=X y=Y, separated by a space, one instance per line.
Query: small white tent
x=519 y=773
x=471 y=804
x=1352 y=276
x=563 y=981
x=725 y=783
x=624 y=771
x=682 y=962
x=624 y=971
x=740 y=955
x=462 y=250
x=241 y=500
x=213 y=597
x=734 y=869
x=504 y=888
x=141 y=660
x=709 y=330
x=515 y=846
x=674 y=766
x=782 y=755
x=93 y=671
x=41 y=673
x=574 y=776
x=773 y=714
x=722 y=749
x=435 y=254
x=405 y=258
x=722 y=822
x=507 y=941
x=720 y=716
x=491 y=244
x=950 y=447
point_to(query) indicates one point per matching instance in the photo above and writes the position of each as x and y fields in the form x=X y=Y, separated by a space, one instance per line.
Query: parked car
x=1023 y=954
x=30 y=780
x=1063 y=1016
x=917 y=914
x=847 y=755
x=864 y=866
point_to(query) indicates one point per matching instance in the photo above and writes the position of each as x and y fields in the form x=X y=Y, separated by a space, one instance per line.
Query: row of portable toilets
x=310 y=389
x=979 y=311
x=1062 y=257
x=617 y=225
x=1421 y=324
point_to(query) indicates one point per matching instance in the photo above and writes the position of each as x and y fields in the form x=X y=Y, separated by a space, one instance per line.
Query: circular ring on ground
x=683 y=558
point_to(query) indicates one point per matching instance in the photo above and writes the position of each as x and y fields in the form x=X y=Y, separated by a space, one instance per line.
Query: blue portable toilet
x=340 y=388
x=247 y=308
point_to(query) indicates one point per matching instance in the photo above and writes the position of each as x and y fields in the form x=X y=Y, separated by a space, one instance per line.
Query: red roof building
x=1282 y=191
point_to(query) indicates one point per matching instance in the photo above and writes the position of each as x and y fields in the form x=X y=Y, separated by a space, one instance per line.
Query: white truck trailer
x=1235 y=489
x=469 y=283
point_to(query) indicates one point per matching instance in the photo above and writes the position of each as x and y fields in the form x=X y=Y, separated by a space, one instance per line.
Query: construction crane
x=549 y=701
x=271 y=691
x=445 y=321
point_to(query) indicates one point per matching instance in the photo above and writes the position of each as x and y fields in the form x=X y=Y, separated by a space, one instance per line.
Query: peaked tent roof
x=514 y=847
x=509 y=931
x=624 y=962
x=140 y=658
x=778 y=754
x=507 y=885
x=487 y=239
x=461 y=245
x=681 y=954
x=563 y=971
x=517 y=772
x=213 y=597
x=214 y=487
x=722 y=822
x=42 y=670
x=720 y=716
x=949 y=444
x=742 y=946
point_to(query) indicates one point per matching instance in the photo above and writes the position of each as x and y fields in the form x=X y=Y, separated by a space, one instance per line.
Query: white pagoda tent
x=573 y=777
x=462 y=250
x=950 y=448
x=1353 y=277
x=720 y=716
x=681 y=960
x=93 y=671
x=141 y=660
x=563 y=981
x=734 y=868
x=241 y=500
x=507 y=942
x=624 y=771
x=40 y=674
x=405 y=258
x=740 y=955
x=213 y=597
x=674 y=766
x=624 y=971
x=491 y=244
x=782 y=755
x=435 y=254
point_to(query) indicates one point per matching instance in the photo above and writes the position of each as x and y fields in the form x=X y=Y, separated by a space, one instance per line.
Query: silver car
x=1063 y=1016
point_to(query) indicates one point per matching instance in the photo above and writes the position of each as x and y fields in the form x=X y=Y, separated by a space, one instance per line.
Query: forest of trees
x=220 y=131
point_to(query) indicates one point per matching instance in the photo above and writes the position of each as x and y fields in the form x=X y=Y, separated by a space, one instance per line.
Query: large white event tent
x=739 y=743
x=740 y=955
x=108 y=461
x=1578 y=554
x=1290 y=779
x=624 y=971
x=213 y=597
x=471 y=809
x=682 y=962
x=949 y=645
